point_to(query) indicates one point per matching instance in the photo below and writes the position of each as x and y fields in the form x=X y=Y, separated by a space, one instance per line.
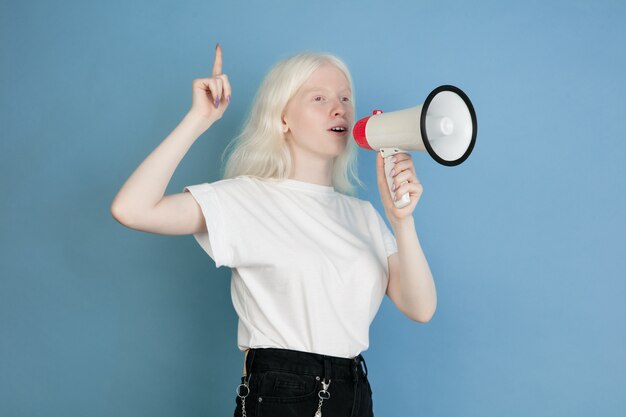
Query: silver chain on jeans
x=325 y=396
x=243 y=397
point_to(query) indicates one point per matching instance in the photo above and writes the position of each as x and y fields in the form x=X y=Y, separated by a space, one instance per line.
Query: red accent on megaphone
x=358 y=132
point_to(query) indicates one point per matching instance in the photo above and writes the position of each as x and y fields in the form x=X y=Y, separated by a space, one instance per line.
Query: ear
x=284 y=124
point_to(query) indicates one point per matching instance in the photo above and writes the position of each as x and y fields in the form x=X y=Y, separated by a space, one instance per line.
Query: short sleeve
x=216 y=241
x=389 y=239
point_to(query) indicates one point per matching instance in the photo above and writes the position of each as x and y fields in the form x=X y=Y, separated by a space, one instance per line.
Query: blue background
x=526 y=239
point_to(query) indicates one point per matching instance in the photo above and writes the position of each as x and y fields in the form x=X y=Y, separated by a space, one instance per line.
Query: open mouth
x=339 y=130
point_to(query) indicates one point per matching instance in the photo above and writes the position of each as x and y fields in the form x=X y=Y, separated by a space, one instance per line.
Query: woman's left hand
x=405 y=180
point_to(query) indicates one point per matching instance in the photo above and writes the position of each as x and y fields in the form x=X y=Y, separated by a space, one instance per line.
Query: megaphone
x=444 y=126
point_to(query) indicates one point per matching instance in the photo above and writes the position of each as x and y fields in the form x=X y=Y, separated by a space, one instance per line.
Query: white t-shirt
x=309 y=264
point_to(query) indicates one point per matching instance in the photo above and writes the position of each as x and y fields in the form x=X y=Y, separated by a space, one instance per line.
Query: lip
x=339 y=123
x=344 y=133
x=344 y=126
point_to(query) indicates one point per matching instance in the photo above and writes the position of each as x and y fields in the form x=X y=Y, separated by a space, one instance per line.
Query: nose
x=339 y=107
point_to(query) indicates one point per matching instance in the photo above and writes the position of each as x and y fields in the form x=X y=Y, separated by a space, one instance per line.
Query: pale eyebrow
x=315 y=89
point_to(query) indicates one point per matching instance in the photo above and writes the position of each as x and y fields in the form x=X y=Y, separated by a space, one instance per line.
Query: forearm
x=147 y=184
x=416 y=280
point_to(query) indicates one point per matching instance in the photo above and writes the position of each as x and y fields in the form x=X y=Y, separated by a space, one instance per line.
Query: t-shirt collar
x=302 y=185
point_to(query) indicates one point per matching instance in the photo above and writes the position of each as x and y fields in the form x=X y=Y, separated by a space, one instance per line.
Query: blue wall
x=526 y=239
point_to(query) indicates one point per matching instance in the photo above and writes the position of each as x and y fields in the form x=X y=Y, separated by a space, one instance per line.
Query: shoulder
x=364 y=206
x=370 y=211
x=240 y=180
x=228 y=184
x=222 y=189
x=359 y=202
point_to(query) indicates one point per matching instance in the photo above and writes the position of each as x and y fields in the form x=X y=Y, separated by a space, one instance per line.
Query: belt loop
x=245 y=368
x=327 y=369
x=364 y=364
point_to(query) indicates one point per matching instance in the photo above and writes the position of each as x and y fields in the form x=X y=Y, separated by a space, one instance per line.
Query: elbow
x=426 y=318
x=133 y=219
x=423 y=316
x=418 y=319
x=118 y=214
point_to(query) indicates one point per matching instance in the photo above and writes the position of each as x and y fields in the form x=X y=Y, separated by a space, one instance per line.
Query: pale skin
x=322 y=102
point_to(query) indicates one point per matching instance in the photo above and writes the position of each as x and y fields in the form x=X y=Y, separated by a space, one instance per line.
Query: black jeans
x=287 y=383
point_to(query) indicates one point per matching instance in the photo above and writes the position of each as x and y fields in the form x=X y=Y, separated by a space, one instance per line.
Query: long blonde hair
x=261 y=150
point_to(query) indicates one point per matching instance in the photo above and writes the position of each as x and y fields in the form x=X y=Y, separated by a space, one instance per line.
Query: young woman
x=310 y=262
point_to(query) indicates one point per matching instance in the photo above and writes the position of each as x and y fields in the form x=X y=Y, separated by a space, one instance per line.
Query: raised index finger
x=217 y=63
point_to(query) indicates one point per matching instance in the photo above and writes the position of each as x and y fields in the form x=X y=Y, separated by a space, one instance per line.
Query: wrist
x=407 y=221
x=198 y=121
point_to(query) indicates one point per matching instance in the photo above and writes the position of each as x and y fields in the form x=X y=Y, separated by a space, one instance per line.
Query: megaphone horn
x=444 y=126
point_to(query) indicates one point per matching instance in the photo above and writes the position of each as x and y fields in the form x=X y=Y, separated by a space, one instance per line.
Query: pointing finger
x=217 y=63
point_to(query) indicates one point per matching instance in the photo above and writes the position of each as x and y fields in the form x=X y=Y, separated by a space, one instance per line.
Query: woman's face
x=322 y=102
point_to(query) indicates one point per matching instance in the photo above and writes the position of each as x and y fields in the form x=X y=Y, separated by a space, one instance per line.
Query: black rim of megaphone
x=467 y=101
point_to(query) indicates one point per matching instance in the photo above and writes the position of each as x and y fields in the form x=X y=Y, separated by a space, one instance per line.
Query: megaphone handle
x=387 y=153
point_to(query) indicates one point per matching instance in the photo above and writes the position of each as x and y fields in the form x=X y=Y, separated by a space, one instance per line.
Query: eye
x=316 y=98
x=346 y=99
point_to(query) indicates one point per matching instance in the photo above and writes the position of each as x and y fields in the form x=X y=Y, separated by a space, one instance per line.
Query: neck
x=312 y=168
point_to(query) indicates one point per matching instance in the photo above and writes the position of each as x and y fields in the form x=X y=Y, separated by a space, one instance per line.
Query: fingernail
x=393 y=172
x=393 y=159
x=217 y=102
x=395 y=197
x=228 y=99
x=393 y=187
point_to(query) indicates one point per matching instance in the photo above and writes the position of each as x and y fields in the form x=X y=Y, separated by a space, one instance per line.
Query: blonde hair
x=261 y=150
